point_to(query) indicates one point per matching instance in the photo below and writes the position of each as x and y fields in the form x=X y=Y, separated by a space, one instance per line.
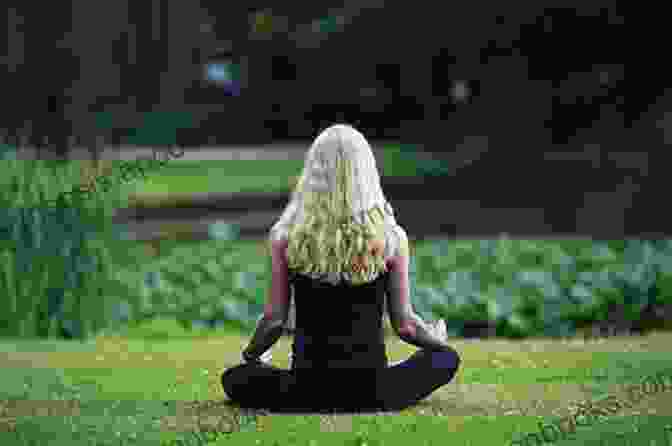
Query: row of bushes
x=542 y=288
x=517 y=288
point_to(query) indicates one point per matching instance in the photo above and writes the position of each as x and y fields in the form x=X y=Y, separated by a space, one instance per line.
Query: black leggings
x=258 y=385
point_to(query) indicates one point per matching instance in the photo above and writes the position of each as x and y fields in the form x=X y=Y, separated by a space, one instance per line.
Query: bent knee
x=232 y=378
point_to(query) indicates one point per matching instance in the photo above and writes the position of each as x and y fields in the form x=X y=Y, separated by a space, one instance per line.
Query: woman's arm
x=408 y=325
x=270 y=325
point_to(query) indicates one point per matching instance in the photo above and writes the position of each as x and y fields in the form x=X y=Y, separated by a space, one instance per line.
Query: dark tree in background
x=39 y=73
x=548 y=75
x=69 y=61
x=60 y=66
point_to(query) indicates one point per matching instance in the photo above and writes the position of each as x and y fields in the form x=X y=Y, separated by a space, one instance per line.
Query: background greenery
x=229 y=176
x=98 y=280
x=55 y=260
x=169 y=316
x=60 y=268
x=524 y=287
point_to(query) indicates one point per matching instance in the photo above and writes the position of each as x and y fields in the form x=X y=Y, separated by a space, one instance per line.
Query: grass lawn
x=128 y=389
x=228 y=176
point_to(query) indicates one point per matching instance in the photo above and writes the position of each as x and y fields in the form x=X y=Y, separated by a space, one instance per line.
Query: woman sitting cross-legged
x=338 y=245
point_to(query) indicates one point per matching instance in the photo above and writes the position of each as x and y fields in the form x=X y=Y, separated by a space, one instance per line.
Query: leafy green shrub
x=522 y=287
x=197 y=284
x=530 y=287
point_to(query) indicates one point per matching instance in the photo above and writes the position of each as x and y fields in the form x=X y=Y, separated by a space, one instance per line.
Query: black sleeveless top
x=338 y=326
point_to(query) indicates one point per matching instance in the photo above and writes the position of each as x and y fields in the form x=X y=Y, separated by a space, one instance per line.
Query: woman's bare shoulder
x=278 y=234
x=396 y=244
x=277 y=242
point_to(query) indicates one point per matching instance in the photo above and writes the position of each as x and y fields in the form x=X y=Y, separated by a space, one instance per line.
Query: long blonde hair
x=336 y=218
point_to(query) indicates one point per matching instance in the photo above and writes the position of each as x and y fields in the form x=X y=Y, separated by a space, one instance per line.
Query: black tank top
x=338 y=326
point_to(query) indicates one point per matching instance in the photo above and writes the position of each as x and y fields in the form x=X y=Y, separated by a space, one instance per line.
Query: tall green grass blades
x=8 y=288
x=51 y=248
x=51 y=309
x=9 y=183
x=86 y=315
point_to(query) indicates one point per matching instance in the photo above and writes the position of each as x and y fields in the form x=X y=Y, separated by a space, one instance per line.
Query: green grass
x=228 y=176
x=157 y=383
x=221 y=176
x=127 y=386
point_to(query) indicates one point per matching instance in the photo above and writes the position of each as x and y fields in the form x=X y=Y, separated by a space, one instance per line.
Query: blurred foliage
x=195 y=283
x=542 y=287
x=152 y=128
x=271 y=175
x=524 y=287
x=55 y=259
x=68 y=271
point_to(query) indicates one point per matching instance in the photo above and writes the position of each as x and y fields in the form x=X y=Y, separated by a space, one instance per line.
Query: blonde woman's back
x=394 y=240
x=343 y=254
x=396 y=246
